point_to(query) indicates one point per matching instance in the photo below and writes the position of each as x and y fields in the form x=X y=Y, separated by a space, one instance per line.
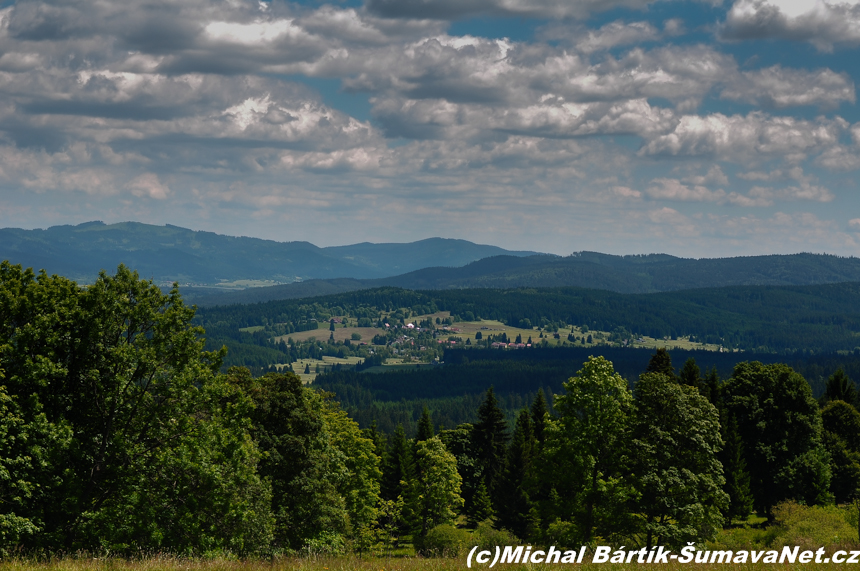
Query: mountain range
x=168 y=254
x=207 y=265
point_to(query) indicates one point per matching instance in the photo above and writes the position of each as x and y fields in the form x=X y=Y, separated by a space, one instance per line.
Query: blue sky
x=699 y=128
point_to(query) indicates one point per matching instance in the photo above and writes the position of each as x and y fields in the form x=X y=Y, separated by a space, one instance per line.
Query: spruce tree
x=490 y=438
x=691 y=375
x=841 y=387
x=661 y=362
x=712 y=392
x=425 y=426
x=514 y=504
x=539 y=412
x=396 y=465
x=737 y=484
x=481 y=508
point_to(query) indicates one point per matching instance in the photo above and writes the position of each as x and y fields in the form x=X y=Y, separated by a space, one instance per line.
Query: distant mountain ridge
x=171 y=253
x=623 y=274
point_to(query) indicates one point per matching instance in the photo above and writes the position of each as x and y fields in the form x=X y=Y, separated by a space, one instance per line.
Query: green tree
x=433 y=496
x=360 y=486
x=540 y=415
x=306 y=470
x=587 y=445
x=661 y=362
x=676 y=439
x=516 y=481
x=425 y=426
x=691 y=375
x=489 y=439
x=119 y=365
x=737 y=485
x=841 y=423
x=780 y=425
x=397 y=465
x=840 y=387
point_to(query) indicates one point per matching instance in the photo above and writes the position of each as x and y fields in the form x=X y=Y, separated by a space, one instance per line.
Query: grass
x=345 y=563
x=324 y=363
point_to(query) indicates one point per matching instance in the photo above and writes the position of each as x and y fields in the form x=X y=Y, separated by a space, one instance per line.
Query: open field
x=341 y=333
x=324 y=363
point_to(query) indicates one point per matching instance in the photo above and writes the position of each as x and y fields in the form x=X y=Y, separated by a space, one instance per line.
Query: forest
x=122 y=434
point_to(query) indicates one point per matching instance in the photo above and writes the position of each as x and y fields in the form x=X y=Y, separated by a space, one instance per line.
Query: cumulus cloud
x=149 y=186
x=456 y=9
x=673 y=189
x=780 y=87
x=740 y=137
x=824 y=23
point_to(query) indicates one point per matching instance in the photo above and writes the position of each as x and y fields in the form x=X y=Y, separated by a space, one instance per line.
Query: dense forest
x=120 y=433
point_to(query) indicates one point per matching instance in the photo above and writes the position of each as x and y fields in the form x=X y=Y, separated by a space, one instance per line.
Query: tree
x=396 y=466
x=676 y=439
x=840 y=387
x=517 y=479
x=586 y=447
x=425 y=426
x=306 y=470
x=661 y=362
x=539 y=416
x=737 y=485
x=433 y=496
x=360 y=484
x=841 y=423
x=119 y=366
x=712 y=388
x=691 y=375
x=489 y=439
x=780 y=425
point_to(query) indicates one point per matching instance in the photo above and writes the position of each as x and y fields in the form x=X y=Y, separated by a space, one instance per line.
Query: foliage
x=444 y=540
x=116 y=397
x=676 y=438
x=433 y=496
x=780 y=426
x=586 y=449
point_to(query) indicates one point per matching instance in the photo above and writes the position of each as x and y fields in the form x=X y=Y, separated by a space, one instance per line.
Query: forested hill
x=170 y=253
x=622 y=274
x=763 y=318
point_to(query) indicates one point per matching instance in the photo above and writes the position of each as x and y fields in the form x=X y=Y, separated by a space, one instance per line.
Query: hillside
x=622 y=274
x=170 y=253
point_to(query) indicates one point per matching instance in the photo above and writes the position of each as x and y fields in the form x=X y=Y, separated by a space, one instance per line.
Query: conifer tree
x=396 y=465
x=514 y=511
x=841 y=387
x=481 y=508
x=661 y=362
x=737 y=477
x=712 y=392
x=490 y=438
x=539 y=413
x=425 y=426
x=691 y=375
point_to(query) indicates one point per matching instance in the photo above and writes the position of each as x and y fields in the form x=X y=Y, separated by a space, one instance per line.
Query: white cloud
x=673 y=189
x=824 y=23
x=614 y=34
x=747 y=137
x=781 y=87
x=715 y=175
x=148 y=185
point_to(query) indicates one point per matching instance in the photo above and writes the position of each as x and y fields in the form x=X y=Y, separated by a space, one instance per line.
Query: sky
x=695 y=128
